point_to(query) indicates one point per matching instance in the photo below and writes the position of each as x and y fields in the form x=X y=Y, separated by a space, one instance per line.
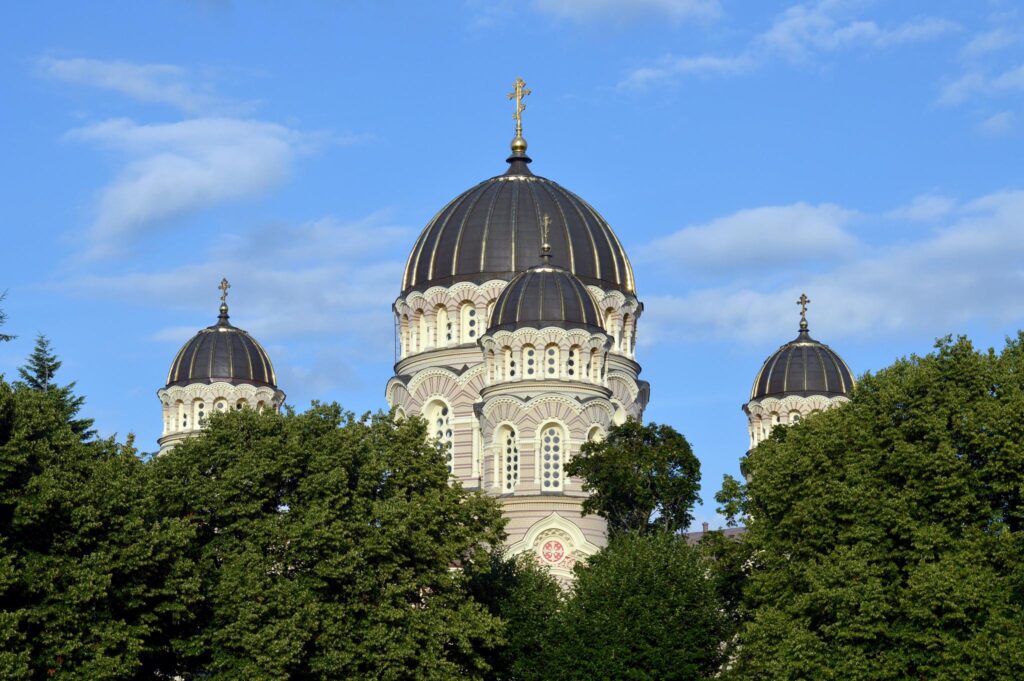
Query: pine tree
x=38 y=374
x=3 y=319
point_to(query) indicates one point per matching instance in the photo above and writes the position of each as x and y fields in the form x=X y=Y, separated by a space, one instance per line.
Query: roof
x=222 y=353
x=545 y=295
x=803 y=367
x=493 y=231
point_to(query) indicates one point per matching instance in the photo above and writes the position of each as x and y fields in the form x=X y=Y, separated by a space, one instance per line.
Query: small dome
x=803 y=367
x=545 y=295
x=222 y=353
x=493 y=231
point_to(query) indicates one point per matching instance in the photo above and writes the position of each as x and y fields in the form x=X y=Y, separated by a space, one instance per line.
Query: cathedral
x=516 y=323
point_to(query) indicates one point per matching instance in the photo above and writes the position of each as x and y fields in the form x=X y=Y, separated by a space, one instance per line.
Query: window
x=596 y=434
x=470 y=323
x=439 y=417
x=552 y=454
x=572 y=363
x=551 y=361
x=423 y=333
x=444 y=327
x=530 y=360
x=510 y=459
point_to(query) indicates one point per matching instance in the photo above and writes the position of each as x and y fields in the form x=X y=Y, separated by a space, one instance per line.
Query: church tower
x=516 y=330
x=222 y=367
x=800 y=378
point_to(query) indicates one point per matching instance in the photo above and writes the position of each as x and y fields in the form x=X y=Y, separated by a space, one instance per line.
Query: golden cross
x=802 y=302
x=517 y=94
x=224 y=286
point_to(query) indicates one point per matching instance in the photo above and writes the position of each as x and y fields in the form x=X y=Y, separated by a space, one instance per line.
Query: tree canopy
x=38 y=374
x=888 y=534
x=640 y=478
x=325 y=549
x=3 y=320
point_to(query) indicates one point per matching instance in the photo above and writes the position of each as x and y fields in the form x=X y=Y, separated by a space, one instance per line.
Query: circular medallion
x=552 y=551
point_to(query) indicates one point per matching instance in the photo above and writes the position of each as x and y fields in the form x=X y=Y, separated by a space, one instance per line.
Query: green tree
x=3 y=320
x=888 y=534
x=527 y=599
x=640 y=478
x=88 y=587
x=643 y=609
x=326 y=546
x=38 y=374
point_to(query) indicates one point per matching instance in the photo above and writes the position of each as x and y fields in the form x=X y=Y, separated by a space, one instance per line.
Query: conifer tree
x=3 y=319
x=38 y=374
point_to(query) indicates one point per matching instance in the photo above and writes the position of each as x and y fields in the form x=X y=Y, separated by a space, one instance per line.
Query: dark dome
x=222 y=353
x=493 y=231
x=545 y=296
x=803 y=367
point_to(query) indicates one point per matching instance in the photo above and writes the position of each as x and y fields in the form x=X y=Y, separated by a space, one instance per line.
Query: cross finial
x=545 y=247
x=519 y=91
x=803 y=301
x=224 y=286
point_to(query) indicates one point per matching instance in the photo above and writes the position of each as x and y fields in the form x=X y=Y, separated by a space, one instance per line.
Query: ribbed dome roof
x=493 y=231
x=542 y=296
x=222 y=353
x=803 y=367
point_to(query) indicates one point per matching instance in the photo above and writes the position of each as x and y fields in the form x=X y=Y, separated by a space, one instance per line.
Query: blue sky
x=866 y=152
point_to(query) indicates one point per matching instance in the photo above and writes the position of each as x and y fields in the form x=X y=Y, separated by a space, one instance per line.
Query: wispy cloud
x=593 y=10
x=152 y=83
x=923 y=208
x=770 y=237
x=981 y=83
x=319 y=285
x=799 y=33
x=999 y=124
x=176 y=169
x=954 y=273
x=990 y=41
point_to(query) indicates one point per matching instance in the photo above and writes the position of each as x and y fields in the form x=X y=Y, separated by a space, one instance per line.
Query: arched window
x=439 y=419
x=241 y=404
x=552 y=456
x=609 y=326
x=572 y=362
x=405 y=332
x=422 y=330
x=530 y=366
x=595 y=434
x=510 y=364
x=551 y=361
x=470 y=323
x=199 y=413
x=509 y=444
x=492 y=367
x=794 y=417
x=182 y=414
x=594 y=366
x=444 y=326
x=624 y=343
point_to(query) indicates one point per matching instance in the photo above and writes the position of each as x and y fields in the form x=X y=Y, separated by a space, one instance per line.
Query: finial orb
x=518 y=145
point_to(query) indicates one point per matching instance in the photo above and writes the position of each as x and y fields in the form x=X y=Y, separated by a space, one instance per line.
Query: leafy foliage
x=88 y=586
x=38 y=374
x=642 y=609
x=889 y=533
x=527 y=600
x=325 y=549
x=640 y=478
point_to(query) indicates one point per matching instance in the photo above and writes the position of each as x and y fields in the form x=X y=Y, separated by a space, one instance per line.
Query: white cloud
x=979 y=83
x=989 y=41
x=179 y=168
x=800 y=32
x=590 y=10
x=961 y=271
x=758 y=239
x=316 y=294
x=998 y=124
x=153 y=83
x=923 y=208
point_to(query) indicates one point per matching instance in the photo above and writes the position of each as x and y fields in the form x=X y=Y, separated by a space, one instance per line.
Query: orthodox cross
x=802 y=302
x=224 y=286
x=545 y=247
x=517 y=94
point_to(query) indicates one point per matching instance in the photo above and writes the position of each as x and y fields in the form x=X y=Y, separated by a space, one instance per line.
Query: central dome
x=545 y=296
x=493 y=231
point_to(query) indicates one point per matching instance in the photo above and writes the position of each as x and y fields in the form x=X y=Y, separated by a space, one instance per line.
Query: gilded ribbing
x=462 y=227
x=487 y=225
x=565 y=227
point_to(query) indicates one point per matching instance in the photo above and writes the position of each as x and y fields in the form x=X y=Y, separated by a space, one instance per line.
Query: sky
x=868 y=153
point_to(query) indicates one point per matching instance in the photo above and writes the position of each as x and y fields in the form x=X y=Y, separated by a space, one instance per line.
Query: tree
x=325 y=549
x=640 y=478
x=3 y=320
x=643 y=609
x=88 y=588
x=527 y=599
x=38 y=374
x=888 y=534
